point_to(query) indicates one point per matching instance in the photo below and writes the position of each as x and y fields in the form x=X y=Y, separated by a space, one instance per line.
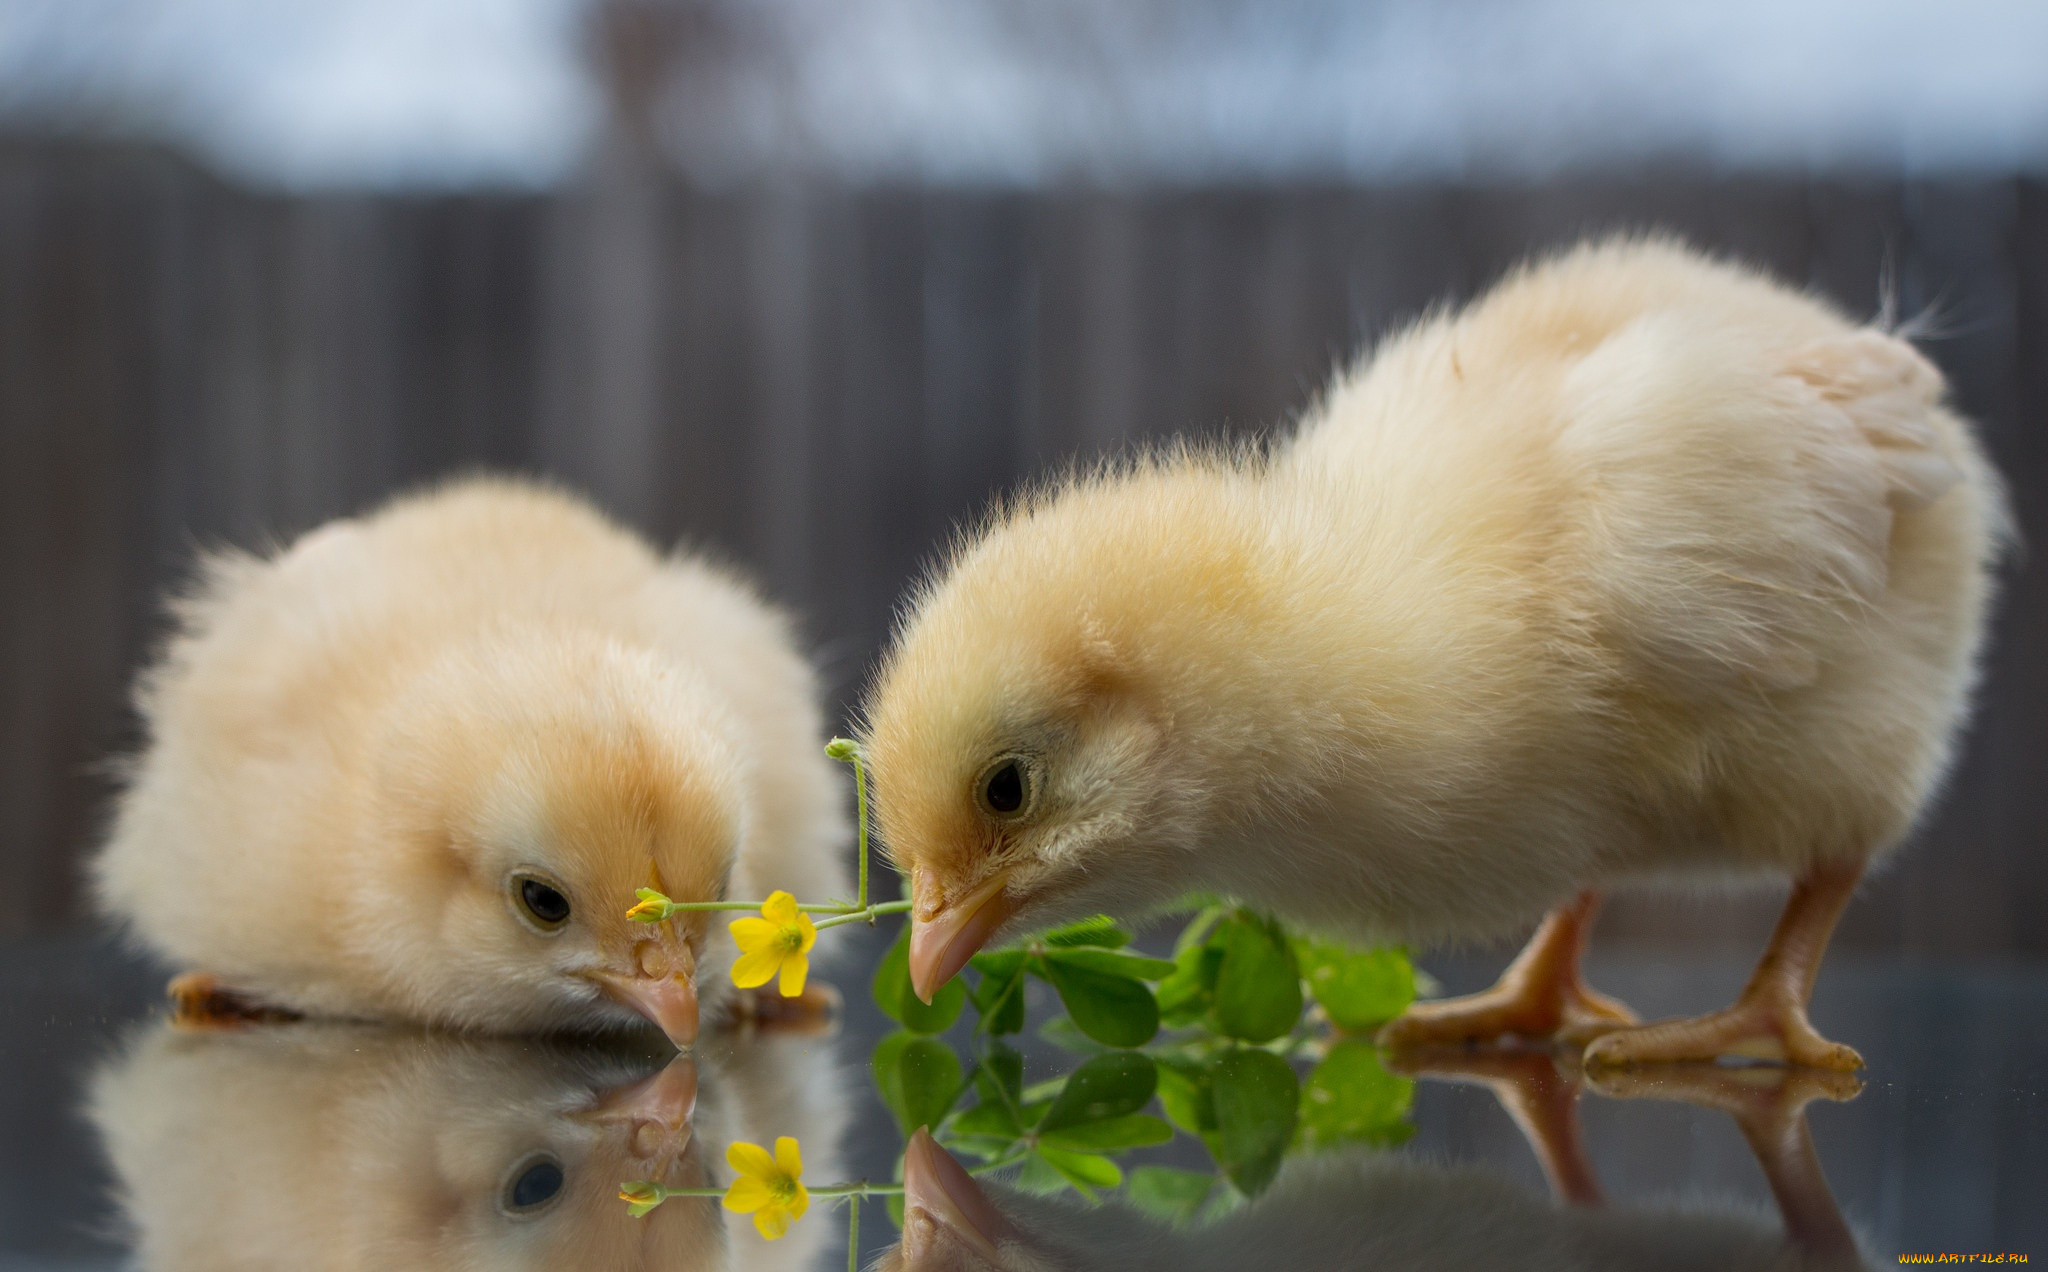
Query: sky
x=458 y=93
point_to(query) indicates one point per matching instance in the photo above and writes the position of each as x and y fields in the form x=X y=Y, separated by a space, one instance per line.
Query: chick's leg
x=1540 y=996
x=1768 y=1022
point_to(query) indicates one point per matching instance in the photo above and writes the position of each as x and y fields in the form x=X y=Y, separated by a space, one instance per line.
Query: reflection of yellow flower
x=641 y=1197
x=653 y=907
x=777 y=942
x=769 y=1188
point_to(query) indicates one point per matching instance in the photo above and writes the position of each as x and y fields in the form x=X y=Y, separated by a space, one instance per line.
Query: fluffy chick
x=1640 y=566
x=416 y=764
x=391 y=1148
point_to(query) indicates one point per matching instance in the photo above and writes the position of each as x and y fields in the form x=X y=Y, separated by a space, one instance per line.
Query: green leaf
x=1114 y=1010
x=987 y=1119
x=1037 y=1176
x=1204 y=921
x=1175 y=1196
x=1063 y=1033
x=1000 y=1076
x=1359 y=989
x=1111 y=1135
x=1085 y=1171
x=999 y=995
x=1112 y=963
x=895 y=997
x=1351 y=1098
x=1187 y=995
x=1099 y=930
x=1256 y=1105
x=1109 y=1086
x=1258 y=986
x=919 y=1078
x=1187 y=1091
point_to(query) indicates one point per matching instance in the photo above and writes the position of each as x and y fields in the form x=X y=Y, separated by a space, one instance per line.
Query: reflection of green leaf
x=1255 y=1111
x=1359 y=990
x=1111 y=1135
x=894 y=996
x=1112 y=963
x=1258 y=986
x=1185 y=996
x=919 y=1078
x=1000 y=1076
x=1085 y=1171
x=1110 y=1009
x=1111 y=1085
x=1351 y=1098
x=1187 y=1091
x=1099 y=930
x=1175 y=1196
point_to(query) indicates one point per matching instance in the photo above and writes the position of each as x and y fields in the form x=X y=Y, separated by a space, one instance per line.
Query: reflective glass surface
x=130 y=1141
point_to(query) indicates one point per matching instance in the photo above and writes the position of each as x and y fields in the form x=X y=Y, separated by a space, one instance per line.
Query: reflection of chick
x=1640 y=566
x=416 y=764
x=345 y=1148
x=1327 y=1213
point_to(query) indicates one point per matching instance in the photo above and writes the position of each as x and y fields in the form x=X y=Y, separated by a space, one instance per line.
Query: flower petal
x=772 y=1221
x=810 y=933
x=794 y=968
x=751 y=1159
x=747 y=1195
x=790 y=1157
x=800 y=1203
x=780 y=909
x=757 y=968
x=752 y=934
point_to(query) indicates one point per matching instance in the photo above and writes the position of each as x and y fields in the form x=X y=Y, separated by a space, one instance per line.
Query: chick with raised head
x=416 y=764
x=1641 y=567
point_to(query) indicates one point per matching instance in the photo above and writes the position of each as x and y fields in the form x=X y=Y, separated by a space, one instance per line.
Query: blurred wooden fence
x=820 y=383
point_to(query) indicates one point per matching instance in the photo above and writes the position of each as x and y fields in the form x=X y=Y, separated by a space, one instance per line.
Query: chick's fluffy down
x=356 y=748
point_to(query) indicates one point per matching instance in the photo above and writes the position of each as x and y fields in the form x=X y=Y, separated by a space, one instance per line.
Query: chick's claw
x=1756 y=1028
x=812 y=1014
x=200 y=1001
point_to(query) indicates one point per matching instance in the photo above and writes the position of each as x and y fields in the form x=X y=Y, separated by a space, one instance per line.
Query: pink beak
x=942 y=1190
x=943 y=937
x=658 y=1109
x=662 y=987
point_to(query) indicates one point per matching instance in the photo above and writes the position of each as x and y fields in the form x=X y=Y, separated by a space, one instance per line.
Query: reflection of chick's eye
x=548 y=906
x=1005 y=788
x=534 y=1186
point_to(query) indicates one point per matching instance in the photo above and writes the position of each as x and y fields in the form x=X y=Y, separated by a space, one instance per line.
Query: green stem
x=868 y=915
x=853 y=1237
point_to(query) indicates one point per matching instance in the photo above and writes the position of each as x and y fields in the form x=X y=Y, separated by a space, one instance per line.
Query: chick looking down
x=416 y=764
x=1641 y=567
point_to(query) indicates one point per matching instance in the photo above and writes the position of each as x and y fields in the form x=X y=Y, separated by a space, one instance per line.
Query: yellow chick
x=338 y=1147
x=416 y=764
x=1640 y=567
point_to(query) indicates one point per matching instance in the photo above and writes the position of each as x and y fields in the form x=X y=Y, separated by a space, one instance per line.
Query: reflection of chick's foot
x=1531 y=1089
x=199 y=1001
x=813 y=1013
x=1768 y=1106
x=1539 y=997
x=1758 y=1027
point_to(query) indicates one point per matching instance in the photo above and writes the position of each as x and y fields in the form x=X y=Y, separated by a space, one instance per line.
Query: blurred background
x=805 y=282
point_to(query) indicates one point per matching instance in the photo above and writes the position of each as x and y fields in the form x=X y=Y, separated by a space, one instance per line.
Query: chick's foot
x=813 y=1013
x=1540 y=997
x=200 y=1001
x=1755 y=1028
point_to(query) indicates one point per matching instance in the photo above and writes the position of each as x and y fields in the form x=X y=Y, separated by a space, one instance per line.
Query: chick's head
x=526 y=788
x=1033 y=733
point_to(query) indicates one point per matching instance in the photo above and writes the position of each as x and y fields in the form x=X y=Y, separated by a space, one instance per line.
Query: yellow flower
x=777 y=942
x=641 y=1197
x=769 y=1188
x=653 y=907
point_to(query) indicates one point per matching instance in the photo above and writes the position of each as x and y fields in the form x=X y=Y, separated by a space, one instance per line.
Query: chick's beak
x=655 y=1110
x=661 y=986
x=939 y=1193
x=944 y=935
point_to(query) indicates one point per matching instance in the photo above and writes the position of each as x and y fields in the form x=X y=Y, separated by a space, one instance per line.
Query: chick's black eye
x=543 y=902
x=1003 y=788
x=534 y=1187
